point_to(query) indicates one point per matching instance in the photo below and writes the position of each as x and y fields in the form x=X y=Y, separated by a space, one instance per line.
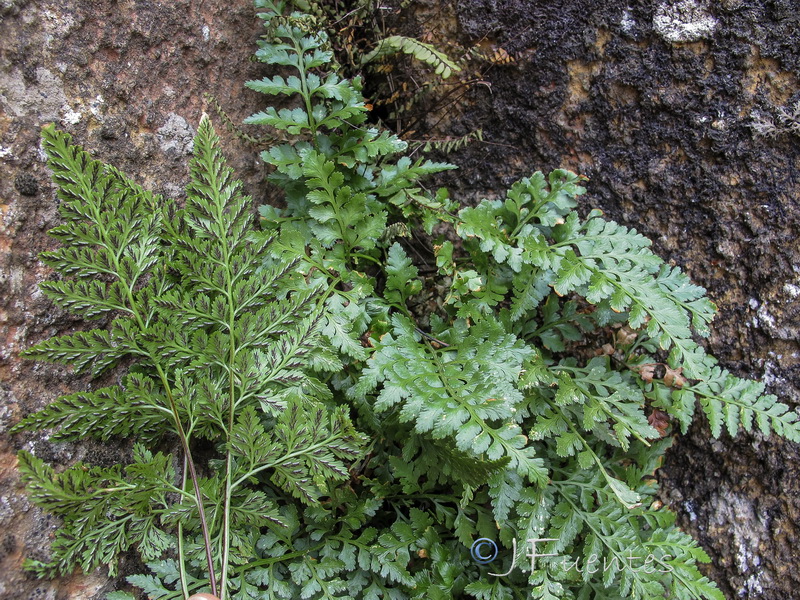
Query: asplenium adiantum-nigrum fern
x=222 y=350
x=367 y=444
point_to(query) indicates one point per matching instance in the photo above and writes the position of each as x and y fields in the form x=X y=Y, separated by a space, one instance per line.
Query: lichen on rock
x=684 y=21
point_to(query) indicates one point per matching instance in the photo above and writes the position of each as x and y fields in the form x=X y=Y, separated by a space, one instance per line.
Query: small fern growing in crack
x=425 y=53
x=221 y=349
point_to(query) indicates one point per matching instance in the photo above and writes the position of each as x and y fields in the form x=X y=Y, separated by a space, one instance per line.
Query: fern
x=460 y=393
x=449 y=145
x=496 y=418
x=425 y=53
x=340 y=177
x=372 y=402
x=533 y=234
x=222 y=348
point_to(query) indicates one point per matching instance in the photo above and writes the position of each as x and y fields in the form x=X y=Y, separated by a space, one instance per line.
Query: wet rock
x=659 y=104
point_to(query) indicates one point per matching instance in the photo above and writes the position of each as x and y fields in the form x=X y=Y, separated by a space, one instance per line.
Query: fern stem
x=430 y=337
x=228 y=459
x=141 y=322
x=366 y=257
x=181 y=557
x=263 y=562
x=192 y=475
x=312 y=122
x=187 y=453
x=226 y=523
x=533 y=211
x=231 y=369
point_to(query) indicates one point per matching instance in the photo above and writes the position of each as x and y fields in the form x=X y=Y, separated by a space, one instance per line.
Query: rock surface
x=685 y=116
x=127 y=79
x=673 y=109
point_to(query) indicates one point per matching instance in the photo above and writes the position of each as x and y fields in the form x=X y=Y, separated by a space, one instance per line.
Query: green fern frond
x=467 y=394
x=733 y=404
x=105 y=511
x=526 y=391
x=443 y=65
x=104 y=413
x=233 y=128
x=215 y=335
x=94 y=351
x=448 y=145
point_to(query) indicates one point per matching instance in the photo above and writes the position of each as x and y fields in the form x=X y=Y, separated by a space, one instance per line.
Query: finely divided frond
x=77 y=176
x=215 y=208
x=102 y=414
x=98 y=507
x=314 y=443
x=111 y=230
x=733 y=404
x=468 y=395
x=93 y=351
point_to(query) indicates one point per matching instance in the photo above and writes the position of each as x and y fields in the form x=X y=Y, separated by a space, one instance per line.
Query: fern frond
x=215 y=334
x=425 y=53
x=112 y=230
x=449 y=144
x=401 y=280
x=494 y=55
x=294 y=121
x=234 y=128
x=733 y=404
x=102 y=414
x=98 y=507
x=313 y=444
x=523 y=405
x=93 y=351
x=451 y=395
x=82 y=183
x=90 y=299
